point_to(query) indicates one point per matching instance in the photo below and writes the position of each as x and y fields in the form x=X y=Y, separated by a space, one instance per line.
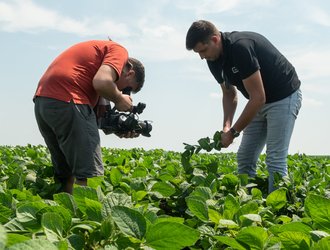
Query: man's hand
x=227 y=138
x=128 y=134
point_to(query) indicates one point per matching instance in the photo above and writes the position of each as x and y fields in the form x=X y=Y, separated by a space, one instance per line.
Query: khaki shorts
x=72 y=137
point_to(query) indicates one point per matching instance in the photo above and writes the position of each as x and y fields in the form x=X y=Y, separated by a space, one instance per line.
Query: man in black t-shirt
x=248 y=62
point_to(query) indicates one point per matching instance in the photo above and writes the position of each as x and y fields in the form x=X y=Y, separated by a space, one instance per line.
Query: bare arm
x=105 y=86
x=257 y=98
x=229 y=104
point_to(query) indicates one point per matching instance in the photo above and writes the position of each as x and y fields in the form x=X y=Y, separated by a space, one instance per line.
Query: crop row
x=160 y=199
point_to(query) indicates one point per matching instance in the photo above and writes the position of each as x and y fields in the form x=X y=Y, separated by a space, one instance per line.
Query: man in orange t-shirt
x=65 y=98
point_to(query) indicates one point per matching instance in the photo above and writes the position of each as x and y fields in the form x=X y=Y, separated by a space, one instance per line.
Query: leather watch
x=234 y=132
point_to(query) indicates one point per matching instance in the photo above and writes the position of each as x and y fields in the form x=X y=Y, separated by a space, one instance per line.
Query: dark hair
x=138 y=68
x=200 y=31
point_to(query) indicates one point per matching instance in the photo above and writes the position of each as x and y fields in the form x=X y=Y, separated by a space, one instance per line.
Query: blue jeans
x=272 y=126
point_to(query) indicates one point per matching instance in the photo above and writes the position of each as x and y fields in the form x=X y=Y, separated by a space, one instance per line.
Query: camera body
x=114 y=121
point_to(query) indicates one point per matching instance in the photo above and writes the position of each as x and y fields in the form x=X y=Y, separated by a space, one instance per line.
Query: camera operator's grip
x=124 y=103
x=125 y=124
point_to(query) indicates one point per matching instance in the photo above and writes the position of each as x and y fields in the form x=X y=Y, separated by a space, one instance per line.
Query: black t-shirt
x=244 y=54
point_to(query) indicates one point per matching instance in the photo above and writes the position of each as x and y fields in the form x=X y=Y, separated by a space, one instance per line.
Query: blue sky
x=183 y=100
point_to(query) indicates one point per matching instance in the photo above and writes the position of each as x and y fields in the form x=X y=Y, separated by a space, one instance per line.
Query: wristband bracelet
x=234 y=132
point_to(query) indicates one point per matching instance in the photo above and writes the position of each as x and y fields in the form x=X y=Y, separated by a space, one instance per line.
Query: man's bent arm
x=105 y=86
x=229 y=104
x=257 y=98
x=104 y=83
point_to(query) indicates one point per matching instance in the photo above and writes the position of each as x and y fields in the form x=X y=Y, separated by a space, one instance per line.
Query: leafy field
x=163 y=200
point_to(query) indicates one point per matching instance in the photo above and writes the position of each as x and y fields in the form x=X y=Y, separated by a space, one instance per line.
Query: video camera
x=123 y=122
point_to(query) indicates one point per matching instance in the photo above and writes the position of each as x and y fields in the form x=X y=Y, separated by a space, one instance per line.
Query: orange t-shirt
x=70 y=76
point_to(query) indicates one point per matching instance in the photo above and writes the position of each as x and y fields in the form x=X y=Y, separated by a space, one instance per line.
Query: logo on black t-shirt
x=234 y=70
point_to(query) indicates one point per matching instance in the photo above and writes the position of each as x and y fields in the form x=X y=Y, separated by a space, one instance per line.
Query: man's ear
x=215 y=39
x=131 y=73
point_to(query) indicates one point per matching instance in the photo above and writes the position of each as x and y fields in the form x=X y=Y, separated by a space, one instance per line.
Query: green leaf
x=107 y=227
x=317 y=235
x=171 y=235
x=33 y=245
x=254 y=237
x=249 y=208
x=323 y=244
x=14 y=225
x=214 y=216
x=82 y=192
x=95 y=181
x=165 y=176
x=231 y=242
x=27 y=215
x=124 y=242
x=217 y=140
x=251 y=217
x=165 y=189
x=3 y=237
x=230 y=181
x=295 y=226
x=204 y=143
x=61 y=211
x=185 y=161
x=93 y=210
x=14 y=238
x=231 y=207
x=115 y=176
x=204 y=192
x=85 y=226
x=295 y=240
x=139 y=172
x=66 y=200
x=76 y=241
x=125 y=187
x=277 y=199
x=6 y=199
x=31 y=153
x=62 y=244
x=116 y=198
x=139 y=195
x=197 y=205
x=129 y=221
x=198 y=179
x=52 y=224
x=5 y=214
x=228 y=223
x=256 y=193
x=318 y=208
x=169 y=219
x=151 y=216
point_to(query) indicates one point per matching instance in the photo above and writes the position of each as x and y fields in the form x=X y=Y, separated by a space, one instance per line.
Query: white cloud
x=205 y=7
x=208 y=6
x=312 y=63
x=158 y=42
x=26 y=16
x=312 y=102
x=319 y=15
x=149 y=38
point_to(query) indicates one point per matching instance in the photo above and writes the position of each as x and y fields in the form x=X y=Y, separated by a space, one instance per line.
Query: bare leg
x=68 y=185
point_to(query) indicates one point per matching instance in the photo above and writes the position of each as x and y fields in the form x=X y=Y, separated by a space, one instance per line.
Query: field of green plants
x=160 y=199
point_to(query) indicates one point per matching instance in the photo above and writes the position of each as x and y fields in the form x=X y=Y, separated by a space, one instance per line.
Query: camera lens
x=145 y=128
